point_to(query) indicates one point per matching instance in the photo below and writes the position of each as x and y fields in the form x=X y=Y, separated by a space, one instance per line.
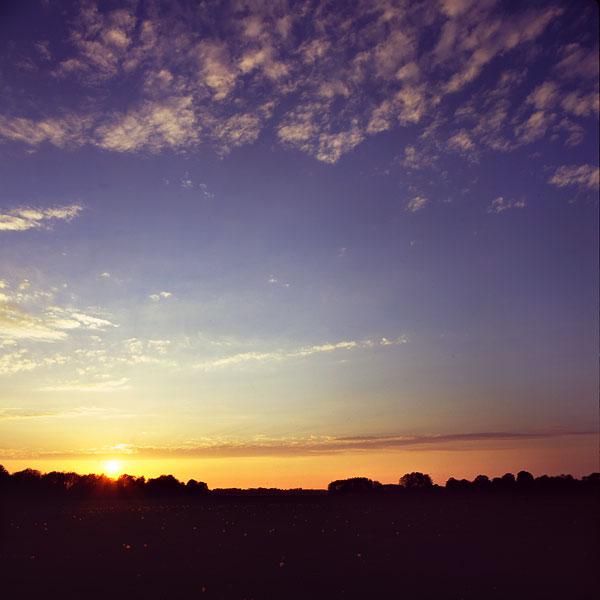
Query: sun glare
x=112 y=468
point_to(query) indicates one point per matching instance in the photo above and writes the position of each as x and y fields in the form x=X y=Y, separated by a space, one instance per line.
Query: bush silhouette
x=416 y=481
x=353 y=485
x=196 y=487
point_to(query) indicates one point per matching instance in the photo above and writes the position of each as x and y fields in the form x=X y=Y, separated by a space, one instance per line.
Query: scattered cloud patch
x=15 y=362
x=581 y=176
x=24 y=218
x=355 y=73
x=25 y=314
x=152 y=126
x=417 y=203
x=160 y=296
x=501 y=204
x=186 y=182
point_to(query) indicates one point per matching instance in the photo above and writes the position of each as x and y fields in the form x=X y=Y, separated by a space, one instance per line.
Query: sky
x=280 y=243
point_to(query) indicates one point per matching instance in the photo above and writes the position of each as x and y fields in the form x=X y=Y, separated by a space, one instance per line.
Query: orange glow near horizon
x=573 y=455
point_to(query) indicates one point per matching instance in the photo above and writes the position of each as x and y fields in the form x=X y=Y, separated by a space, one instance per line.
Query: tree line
x=507 y=482
x=32 y=483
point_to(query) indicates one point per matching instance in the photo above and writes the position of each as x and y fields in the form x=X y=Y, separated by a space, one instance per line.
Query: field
x=422 y=545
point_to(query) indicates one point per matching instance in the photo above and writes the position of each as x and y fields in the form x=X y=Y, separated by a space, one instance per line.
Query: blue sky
x=260 y=228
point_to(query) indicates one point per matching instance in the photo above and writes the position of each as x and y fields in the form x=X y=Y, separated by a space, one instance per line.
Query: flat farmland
x=420 y=545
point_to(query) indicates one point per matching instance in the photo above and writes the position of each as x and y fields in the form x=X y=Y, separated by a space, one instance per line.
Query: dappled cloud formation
x=321 y=76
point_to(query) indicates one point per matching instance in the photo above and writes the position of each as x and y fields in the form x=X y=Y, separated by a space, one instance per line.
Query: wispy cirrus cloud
x=94 y=412
x=316 y=445
x=85 y=385
x=258 y=357
x=323 y=445
x=27 y=313
x=25 y=217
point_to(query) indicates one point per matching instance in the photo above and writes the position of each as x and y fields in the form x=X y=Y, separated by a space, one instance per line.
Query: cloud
x=42 y=323
x=93 y=412
x=574 y=133
x=417 y=203
x=582 y=176
x=218 y=447
x=16 y=324
x=76 y=385
x=160 y=296
x=373 y=67
x=544 y=96
x=101 y=40
x=140 y=352
x=501 y=204
x=578 y=62
x=303 y=352
x=582 y=104
x=63 y=132
x=482 y=37
x=15 y=362
x=217 y=71
x=534 y=127
x=415 y=159
x=238 y=130
x=153 y=126
x=462 y=142
x=24 y=218
x=261 y=445
x=186 y=182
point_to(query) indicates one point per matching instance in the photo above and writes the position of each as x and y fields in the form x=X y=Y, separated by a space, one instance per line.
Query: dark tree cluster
x=32 y=483
x=524 y=481
x=353 y=485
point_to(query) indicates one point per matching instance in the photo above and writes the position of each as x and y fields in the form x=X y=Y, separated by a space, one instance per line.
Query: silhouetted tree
x=353 y=485
x=482 y=482
x=130 y=486
x=506 y=482
x=165 y=485
x=457 y=484
x=416 y=481
x=196 y=487
x=525 y=479
x=591 y=481
x=4 y=477
x=58 y=482
x=27 y=481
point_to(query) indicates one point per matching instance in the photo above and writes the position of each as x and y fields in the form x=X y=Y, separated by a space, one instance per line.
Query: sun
x=112 y=467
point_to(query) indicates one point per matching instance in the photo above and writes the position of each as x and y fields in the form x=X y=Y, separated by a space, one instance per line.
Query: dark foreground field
x=425 y=545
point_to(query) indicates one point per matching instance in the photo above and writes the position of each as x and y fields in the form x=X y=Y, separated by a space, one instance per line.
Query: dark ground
x=422 y=545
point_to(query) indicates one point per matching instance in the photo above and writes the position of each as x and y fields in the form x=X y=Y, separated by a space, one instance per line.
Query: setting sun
x=112 y=468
